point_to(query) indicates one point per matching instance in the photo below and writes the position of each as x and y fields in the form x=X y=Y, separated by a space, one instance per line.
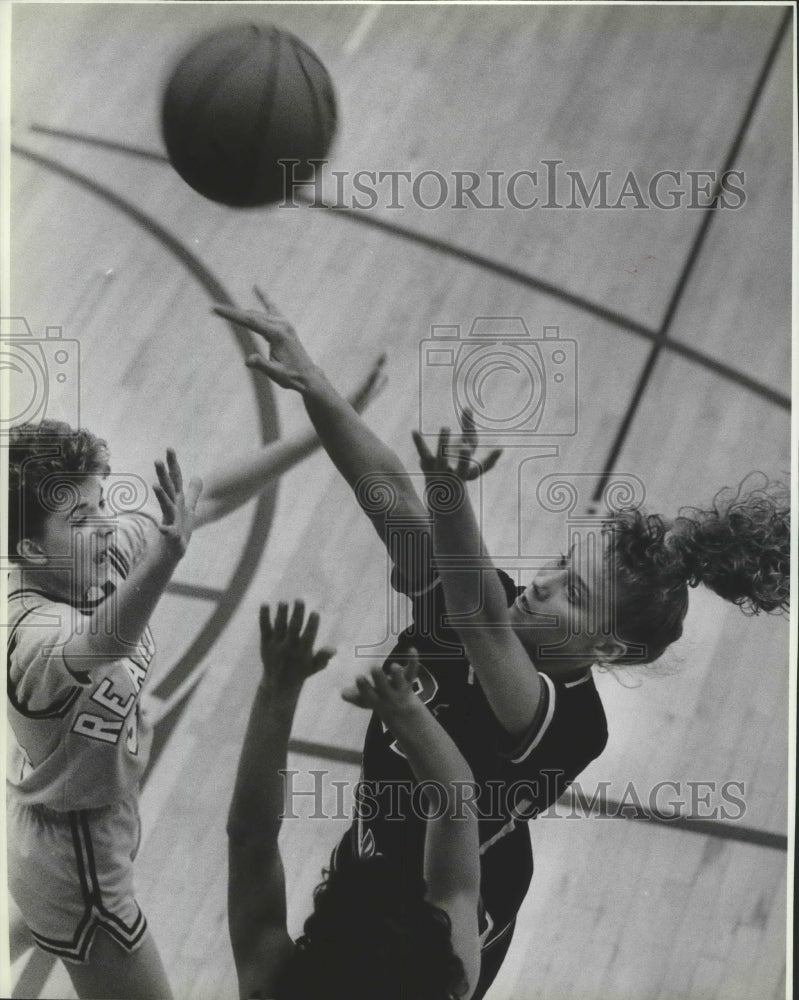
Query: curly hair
x=372 y=934
x=35 y=452
x=739 y=549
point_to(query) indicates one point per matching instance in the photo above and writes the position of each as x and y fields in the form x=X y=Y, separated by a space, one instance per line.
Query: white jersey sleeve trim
x=422 y=591
x=544 y=725
x=580 y=680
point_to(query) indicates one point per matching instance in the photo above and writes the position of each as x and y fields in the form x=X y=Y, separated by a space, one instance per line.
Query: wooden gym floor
x=682 y=325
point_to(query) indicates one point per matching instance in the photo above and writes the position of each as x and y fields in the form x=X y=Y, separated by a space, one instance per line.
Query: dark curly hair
x=739 y=548
x=373 y=936
x=35 y=452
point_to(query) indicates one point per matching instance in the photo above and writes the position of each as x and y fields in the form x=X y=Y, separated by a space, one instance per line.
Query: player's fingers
x=443 y=444
x=265 y=622
x=397 y=678
x=351 y=695
x=175 y=473
x=281 y=619
x=380 y=681
x=297 y=615
x=465 y=467
x=259 y=362
x=468 y=432
x=365 y=685
x=275 y=371
x=486 y=464
x=166 y=505
x=322 y=657
x=269 y=326
x=468 y=428
x=425 y=455
x=308 y=637
x=364 y=693
x=235 y=315
x=412 y=665
x=355 y=696
x=164 y=479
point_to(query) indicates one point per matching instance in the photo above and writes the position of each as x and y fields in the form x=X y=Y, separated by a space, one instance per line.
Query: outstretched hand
x=467 y=467
x=389 y=694
x=177 y=507
x=288 y=364
x=287 y=652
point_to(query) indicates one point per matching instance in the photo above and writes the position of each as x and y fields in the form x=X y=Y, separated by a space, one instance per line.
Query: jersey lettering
x=137 y=671
x=132 y=737
x=97 y=728
x=105 y=696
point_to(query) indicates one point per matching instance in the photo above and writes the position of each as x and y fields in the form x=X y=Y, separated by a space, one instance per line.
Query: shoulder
x=570 y=716
x=40 y=683
x=31 y=611
x=580 y=697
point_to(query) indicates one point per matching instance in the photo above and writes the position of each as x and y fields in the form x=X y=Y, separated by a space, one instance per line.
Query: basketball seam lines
x=265 y=110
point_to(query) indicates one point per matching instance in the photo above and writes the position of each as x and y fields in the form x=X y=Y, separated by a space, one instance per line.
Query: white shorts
x=72 y=872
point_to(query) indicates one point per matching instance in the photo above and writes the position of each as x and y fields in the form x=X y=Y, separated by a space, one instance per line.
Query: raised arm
x=232 y=483
x=256 y=885
x=371 y=468
x=119 y=622
x=452 y=846
x=472 y=588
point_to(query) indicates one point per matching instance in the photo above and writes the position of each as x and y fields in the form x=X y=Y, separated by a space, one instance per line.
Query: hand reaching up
x=391 y=694
x=467 y=467
x=287 y=649
x=177 y=507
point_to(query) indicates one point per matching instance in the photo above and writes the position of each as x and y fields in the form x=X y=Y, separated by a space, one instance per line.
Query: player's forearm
x=451 y=833
x=355 y=450
x=429 y=749
x=471 y=585
x=117 y=625
x=374 y=472
x=258 y=796
x=506 y=673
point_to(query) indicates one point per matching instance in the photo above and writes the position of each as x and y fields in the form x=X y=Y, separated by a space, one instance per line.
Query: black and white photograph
x=398 y=441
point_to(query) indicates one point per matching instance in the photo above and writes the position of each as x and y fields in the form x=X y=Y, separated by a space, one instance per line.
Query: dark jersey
x=516 y=779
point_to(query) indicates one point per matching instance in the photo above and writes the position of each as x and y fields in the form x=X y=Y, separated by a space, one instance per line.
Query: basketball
x=240 y=101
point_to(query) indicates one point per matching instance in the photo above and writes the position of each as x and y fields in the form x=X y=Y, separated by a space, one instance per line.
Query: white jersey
x=77 y=738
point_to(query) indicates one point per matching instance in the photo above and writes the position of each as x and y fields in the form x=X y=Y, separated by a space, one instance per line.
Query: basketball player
x=79 y=653
x=514 y=686
x=383 y=928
